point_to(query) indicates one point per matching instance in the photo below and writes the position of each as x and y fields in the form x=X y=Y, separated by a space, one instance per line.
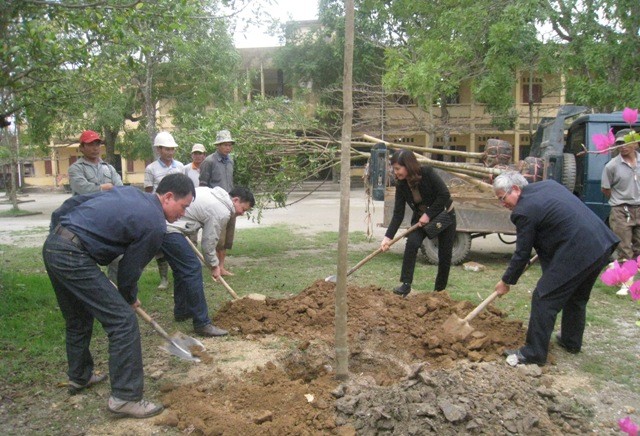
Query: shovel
x=333 y=279
x=460 y=329
x=202 y=261
x=180 y=345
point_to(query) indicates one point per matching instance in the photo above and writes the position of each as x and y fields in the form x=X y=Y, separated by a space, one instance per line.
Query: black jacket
x=435 y=195
x=567 y=236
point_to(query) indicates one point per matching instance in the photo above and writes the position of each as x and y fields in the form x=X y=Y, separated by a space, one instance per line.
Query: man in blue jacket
x=573 y=245
x=91 y=230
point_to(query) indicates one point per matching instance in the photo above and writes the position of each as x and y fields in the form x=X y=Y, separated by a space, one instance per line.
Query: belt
x=68 y=235
x=627 y=205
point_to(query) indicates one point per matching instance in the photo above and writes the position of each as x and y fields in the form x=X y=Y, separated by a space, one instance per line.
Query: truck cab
x=573 y=160
x=589 y=166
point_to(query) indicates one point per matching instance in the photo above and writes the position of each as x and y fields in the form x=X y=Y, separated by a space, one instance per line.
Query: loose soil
x=407 y=376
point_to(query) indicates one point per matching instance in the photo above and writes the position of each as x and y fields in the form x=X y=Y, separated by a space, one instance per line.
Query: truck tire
x=569 y=171
x=461 y=248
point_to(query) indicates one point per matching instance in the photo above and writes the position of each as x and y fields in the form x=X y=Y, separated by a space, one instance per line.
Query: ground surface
x=275 y=374
x=408 y=376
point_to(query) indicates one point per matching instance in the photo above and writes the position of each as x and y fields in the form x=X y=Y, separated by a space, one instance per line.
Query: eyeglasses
x=504 y=196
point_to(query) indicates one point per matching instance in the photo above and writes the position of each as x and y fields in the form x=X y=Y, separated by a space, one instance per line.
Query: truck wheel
x=461 y=248
x=569 y=171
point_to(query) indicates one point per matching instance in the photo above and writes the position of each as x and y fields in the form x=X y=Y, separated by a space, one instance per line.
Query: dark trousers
x=570 y=298
x=84 y=292
x=188 y=288
x=446 y=238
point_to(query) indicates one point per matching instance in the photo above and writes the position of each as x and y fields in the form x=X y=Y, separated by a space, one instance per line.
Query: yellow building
x=395 y=118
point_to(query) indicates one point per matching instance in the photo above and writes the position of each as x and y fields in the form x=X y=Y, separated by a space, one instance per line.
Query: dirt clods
x=407 y=376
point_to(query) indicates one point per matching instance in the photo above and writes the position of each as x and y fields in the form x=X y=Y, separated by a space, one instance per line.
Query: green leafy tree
x=597 y=43
x=278 y=145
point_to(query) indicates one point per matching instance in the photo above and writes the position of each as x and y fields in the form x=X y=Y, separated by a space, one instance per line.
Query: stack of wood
x=496 y=158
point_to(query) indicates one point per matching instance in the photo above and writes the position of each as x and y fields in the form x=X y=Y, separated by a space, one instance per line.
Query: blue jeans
x=188 y=288
x=84 y=293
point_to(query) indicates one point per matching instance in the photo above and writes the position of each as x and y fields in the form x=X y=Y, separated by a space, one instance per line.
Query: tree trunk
x=110 y=136
x=446 y=132
x=342 y=347
x=150 y=104
x=11 y=143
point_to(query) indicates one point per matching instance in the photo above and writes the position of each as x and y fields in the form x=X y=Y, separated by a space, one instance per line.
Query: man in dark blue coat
x=573 y=245
x=90 y=230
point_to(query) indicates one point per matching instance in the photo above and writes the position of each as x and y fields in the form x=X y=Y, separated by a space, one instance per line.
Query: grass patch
x=13 y=213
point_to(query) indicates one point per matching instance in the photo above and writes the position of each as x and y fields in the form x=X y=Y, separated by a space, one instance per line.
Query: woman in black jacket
x=427 y=195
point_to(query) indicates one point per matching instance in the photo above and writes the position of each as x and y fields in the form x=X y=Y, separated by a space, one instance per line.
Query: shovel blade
x=182 y=346
x=331 y=279
x=456 y=327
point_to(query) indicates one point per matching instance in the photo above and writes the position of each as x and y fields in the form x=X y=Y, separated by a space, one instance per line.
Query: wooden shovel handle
x=228 y=288
x=144 y=315
x=379 y=250
x=481 y=306
x=220 y=279
x=493 y=296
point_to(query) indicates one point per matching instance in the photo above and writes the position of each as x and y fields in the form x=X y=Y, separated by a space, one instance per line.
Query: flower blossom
x=630 y=116
x=634 y=290
x=628 y=426
x=617 y=275
x=603 y=142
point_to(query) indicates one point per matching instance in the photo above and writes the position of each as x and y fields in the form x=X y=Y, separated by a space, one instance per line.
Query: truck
x=564 y=149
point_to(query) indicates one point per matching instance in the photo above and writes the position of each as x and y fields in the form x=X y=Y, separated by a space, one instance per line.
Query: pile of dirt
x=406 y=376
x=378 y=321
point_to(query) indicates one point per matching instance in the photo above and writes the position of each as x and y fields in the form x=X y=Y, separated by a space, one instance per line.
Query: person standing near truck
x=428 y=196
x=573 y=245
x=621 y=185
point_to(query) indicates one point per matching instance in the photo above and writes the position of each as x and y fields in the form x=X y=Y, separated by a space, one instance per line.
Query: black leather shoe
x=519 y=359
x=210 y=330
x=562 y=344
x=181 y=318
x=403 y=289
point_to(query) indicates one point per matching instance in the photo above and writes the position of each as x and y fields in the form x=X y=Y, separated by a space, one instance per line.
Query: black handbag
x=443 y=220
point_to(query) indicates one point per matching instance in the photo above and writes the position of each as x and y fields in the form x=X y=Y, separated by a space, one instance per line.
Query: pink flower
x=603 y=142
x=628 y=426
x=619 y=274
x=630 y=116
x=635 y=290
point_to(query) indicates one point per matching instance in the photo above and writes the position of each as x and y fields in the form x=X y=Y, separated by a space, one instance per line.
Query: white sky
x=284 y=10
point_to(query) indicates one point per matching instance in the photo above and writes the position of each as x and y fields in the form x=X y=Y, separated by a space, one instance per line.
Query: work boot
x=403 y=290
x=133 y=409
x=74 y=387
x=210 y=330
x=163 y=269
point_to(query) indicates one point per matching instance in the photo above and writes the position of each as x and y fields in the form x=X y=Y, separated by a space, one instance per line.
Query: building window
x=129 y=165
x=48 y=168
x=536 y=92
